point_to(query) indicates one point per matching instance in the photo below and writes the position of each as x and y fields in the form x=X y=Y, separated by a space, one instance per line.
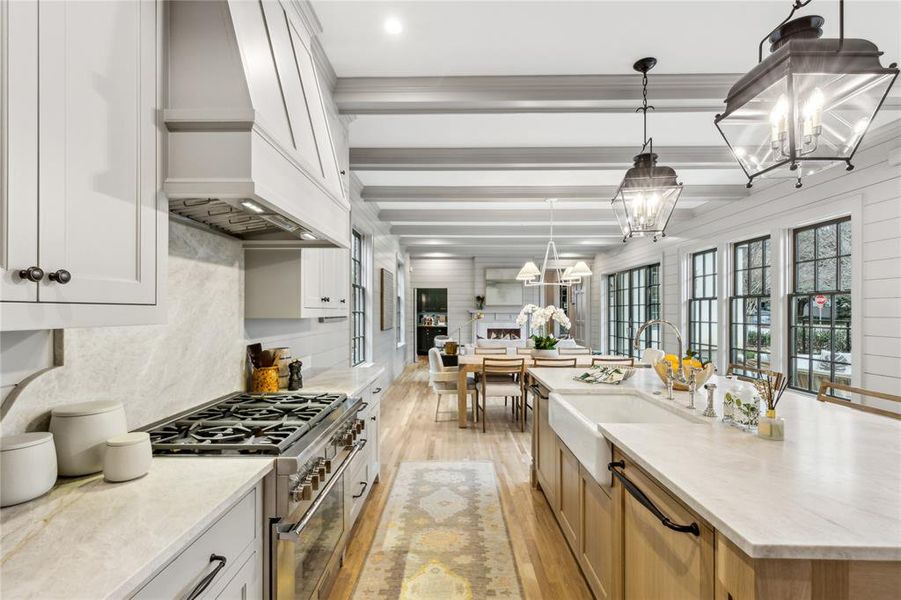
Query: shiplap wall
x=871 y=194
x=455 y=274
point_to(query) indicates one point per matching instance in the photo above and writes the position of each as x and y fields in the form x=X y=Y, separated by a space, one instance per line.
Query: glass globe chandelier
x=645 y=200
x=532 y=276
x=808 y=104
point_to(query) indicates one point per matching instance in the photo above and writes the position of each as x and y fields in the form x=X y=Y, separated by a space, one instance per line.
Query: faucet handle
x=709 y=411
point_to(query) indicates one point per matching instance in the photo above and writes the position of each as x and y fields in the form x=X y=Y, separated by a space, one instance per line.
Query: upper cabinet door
x=98 y=144
x=18 y=150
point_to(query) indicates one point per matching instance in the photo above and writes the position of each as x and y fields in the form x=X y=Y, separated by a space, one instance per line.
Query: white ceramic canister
x=127 y=456
x=27 y=466
x=80 y=432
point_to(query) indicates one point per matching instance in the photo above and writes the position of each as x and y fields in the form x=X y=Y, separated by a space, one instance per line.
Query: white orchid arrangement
x=540 y=318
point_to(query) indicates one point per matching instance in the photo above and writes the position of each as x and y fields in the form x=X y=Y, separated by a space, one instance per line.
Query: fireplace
x=502 y=333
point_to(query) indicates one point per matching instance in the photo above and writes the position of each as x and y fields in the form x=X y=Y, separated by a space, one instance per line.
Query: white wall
x=455 y=274
x=871 y=194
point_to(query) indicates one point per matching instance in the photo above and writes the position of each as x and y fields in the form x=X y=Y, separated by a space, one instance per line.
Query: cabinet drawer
x=247 y=583
x=358 y=484
x=660 y=562
x=228 y=537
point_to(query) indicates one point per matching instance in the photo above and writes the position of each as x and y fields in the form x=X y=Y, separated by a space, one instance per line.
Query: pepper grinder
x=295 y=377
x=711 y=390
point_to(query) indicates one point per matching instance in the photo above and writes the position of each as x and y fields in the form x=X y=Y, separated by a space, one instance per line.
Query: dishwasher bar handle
x=646 y=502
x=293 y=533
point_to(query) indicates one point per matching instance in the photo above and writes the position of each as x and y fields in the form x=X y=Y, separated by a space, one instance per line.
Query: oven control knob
x=328 y=465
x=321 y=472
x=314 y=481
x=358 y=426
x=303 y=492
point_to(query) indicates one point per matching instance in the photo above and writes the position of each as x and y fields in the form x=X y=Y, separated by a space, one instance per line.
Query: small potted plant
x=539 y=320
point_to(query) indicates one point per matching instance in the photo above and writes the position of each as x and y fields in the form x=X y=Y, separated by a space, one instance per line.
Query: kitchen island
x=819 y=512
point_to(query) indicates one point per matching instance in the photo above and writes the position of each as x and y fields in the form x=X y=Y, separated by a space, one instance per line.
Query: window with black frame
x=633 y=298
x=820 y=305
x=702 y=330
x=358 y=296
x=749 y=306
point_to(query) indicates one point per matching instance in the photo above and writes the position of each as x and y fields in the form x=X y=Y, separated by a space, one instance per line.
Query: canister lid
x=128 y=439
x=24 y=440
x=83 y=409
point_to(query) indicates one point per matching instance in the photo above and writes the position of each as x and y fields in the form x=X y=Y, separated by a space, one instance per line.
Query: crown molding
x=435 y=194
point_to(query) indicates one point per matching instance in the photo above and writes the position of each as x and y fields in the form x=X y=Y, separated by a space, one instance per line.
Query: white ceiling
x=531 y=129
x=553 y=37
x=514 y=37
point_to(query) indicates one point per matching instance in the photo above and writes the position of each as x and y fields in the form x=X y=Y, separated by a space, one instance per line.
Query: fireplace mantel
x=495 y=319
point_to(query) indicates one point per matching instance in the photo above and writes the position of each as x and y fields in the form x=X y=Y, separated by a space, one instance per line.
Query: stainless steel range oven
x=313 y=438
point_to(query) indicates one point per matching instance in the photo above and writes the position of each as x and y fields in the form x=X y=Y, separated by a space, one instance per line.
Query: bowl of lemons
x=703 y=372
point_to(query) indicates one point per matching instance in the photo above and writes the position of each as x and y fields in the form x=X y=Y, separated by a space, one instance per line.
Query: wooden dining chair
x=574 y=351
x=524 y=352
x=504 y=386
x=827 y=394
x=554 y=362
x=624 y=361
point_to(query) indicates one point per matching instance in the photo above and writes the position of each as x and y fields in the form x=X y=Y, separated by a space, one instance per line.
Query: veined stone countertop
x=350 y=380
x=831 y=490
x=91 y=539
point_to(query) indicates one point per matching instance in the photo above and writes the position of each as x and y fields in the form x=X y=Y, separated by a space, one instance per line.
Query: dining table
x=472 y=363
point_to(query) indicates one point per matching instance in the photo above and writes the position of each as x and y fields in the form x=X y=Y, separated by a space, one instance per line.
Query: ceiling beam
x=490 y=251
x=602 y=216
x=684 y=92
x=538 y=231
x=515 y=159
x=534 y=193
x=541 y=93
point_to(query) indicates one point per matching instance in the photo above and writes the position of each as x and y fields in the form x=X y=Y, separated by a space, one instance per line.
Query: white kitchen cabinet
x=285 y=282
x=232 y=547
x=81 y=142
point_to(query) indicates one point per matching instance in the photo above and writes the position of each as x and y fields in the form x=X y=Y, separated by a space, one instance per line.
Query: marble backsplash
x=155 y=370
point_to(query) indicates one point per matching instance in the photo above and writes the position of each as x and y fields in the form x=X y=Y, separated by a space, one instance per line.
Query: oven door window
x=317 y=543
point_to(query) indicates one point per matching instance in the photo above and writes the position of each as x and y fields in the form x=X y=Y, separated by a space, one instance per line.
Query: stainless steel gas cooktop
x=244 y=424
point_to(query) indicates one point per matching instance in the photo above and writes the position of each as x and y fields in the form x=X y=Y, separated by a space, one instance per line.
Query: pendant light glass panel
x=808 y=104
x=646 y=198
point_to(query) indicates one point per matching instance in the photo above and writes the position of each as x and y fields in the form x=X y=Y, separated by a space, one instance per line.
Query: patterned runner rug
x=442 y=536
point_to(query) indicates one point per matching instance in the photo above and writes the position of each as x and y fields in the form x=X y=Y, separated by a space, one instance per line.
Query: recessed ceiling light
x=393 y=25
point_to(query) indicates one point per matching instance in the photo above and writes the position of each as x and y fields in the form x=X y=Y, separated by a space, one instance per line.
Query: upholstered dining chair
x=510 y=384
x=573 y=351
x=619 y=361
x=443 y=381
x=490 y=350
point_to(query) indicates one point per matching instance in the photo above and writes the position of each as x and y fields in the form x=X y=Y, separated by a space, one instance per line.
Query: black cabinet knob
x=343 y=300
x=34 y=274
x=61 y=276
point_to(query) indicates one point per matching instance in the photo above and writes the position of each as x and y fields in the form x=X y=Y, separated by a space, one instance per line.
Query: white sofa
x=511 y=345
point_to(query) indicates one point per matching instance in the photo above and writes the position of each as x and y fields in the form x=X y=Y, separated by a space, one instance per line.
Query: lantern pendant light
x=531 y=276
x=645 y=200
x=807 y=105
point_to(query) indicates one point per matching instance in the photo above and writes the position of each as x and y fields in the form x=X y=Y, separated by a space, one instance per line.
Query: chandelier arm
x=799 y=4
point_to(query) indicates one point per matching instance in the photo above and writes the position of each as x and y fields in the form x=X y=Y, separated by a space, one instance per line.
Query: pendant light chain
x=644 y=108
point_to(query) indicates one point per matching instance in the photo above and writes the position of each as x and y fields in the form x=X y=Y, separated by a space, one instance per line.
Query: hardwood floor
x=546 y=566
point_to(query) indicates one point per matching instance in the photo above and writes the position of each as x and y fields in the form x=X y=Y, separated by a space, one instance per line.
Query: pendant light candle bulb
x=813 y=112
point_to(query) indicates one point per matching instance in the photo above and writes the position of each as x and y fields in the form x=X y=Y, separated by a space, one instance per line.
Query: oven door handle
x=293 y=533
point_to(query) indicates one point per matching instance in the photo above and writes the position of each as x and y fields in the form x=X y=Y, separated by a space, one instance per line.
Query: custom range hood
x=250 y=150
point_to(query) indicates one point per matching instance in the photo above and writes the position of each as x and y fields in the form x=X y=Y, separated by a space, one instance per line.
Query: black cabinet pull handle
x=343 y=300
x=646 y=502
x=362 y=490
x=204 y=583
x=33 y=274
x=363 y=406
x=372 y=418
x=377 y=391
x=61 y=276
